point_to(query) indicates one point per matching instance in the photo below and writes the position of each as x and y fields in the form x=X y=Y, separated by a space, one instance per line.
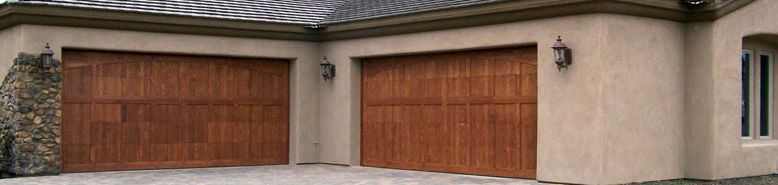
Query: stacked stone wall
x=30 y=118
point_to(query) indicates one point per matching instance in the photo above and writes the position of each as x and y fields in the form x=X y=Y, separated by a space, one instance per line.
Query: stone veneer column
x=30 y=118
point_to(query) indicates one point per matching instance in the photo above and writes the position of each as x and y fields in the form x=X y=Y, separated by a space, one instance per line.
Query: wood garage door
x=126 y=111
x=466 y=112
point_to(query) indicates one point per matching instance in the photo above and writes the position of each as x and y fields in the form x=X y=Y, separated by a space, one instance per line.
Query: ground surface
x=301 y=174
x=767 y=179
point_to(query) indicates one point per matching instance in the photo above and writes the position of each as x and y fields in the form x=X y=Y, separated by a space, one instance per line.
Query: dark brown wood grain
x=469 y=112
x=127 y=111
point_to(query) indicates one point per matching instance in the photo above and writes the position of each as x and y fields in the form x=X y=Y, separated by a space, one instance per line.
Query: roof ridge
x=334 y=12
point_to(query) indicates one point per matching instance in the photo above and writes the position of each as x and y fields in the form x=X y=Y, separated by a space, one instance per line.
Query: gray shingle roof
x=309 y=12
x=354 y=10
x=278 y=11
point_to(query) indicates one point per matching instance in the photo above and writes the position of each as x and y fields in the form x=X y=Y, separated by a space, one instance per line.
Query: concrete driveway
x=281 y=174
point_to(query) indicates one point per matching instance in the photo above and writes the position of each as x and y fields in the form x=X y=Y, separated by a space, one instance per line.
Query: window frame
x=771 y=94
x=751 y=103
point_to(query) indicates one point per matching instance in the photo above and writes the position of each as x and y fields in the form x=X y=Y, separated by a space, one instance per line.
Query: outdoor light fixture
x=562 y=54
x=327 y=69
x=693 y=4
x=46 y=57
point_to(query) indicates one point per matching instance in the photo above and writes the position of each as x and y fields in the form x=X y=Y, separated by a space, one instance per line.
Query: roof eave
x=12 y=14
x=512 y=11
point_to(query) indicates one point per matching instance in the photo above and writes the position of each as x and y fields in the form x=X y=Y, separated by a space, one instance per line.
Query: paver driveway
x=282 y=174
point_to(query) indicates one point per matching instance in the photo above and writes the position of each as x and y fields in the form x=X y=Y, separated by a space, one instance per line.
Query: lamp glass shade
x=327 y=69
x=45 y=61
x=46 y=55
x=558 y=55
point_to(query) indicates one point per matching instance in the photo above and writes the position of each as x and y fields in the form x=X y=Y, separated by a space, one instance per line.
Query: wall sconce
x=327 y=69
x=46 y=56
x=562 y=54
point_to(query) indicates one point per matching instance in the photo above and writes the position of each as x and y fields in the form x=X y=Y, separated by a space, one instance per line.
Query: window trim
x=751 y=112
x=771 y=92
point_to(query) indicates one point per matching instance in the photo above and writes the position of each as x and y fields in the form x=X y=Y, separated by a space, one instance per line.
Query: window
x=757 y=100
x=745 y=114
x=765 y=94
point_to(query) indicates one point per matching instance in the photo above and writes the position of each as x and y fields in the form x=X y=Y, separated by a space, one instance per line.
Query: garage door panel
x=130 y=121
x=222 y=78
x=481 y=75
x=271 y=86
x=458 y=78
x=242 y=84
x=529 y=129
x=107 y=153
x=411 y=83
x=435 y=75
x=529 y=80
x=78 y=115
x=195 y=80
x=398 y=141
x=438 y=135
x=374 y=134
x=197 y=116
x=506 y=130
x=387 y=128
x=164 y=126
x=457 y=116
x=482 y=135
x=412 y=116
x=133 y=118
x=218 y=124
x=276 y=130
x=256 y=131
x=134 y=80
x=76 y=154
x=461 y=112
x=80 y=87
x=395 y=81
x=377 y=85
x=108 y=80
x=242 y=121
x=132 y=153
x=506 y=78
x=164 y=79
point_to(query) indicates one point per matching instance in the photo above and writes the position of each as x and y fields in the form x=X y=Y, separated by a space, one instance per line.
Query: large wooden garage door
x=126 y=111
x=466 y=112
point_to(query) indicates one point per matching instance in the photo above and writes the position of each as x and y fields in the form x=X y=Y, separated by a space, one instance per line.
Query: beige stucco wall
x=303 y=76
x=641 y=98
x=698 y=130
x=9 y=47
x=615 y=116
x=732 y=156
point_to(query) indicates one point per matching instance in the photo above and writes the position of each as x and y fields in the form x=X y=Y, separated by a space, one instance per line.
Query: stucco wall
x=734 y=157
x=615 y=116
x=9 y=47
x=303 y=77
x=699 y=150
x=642 y=99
